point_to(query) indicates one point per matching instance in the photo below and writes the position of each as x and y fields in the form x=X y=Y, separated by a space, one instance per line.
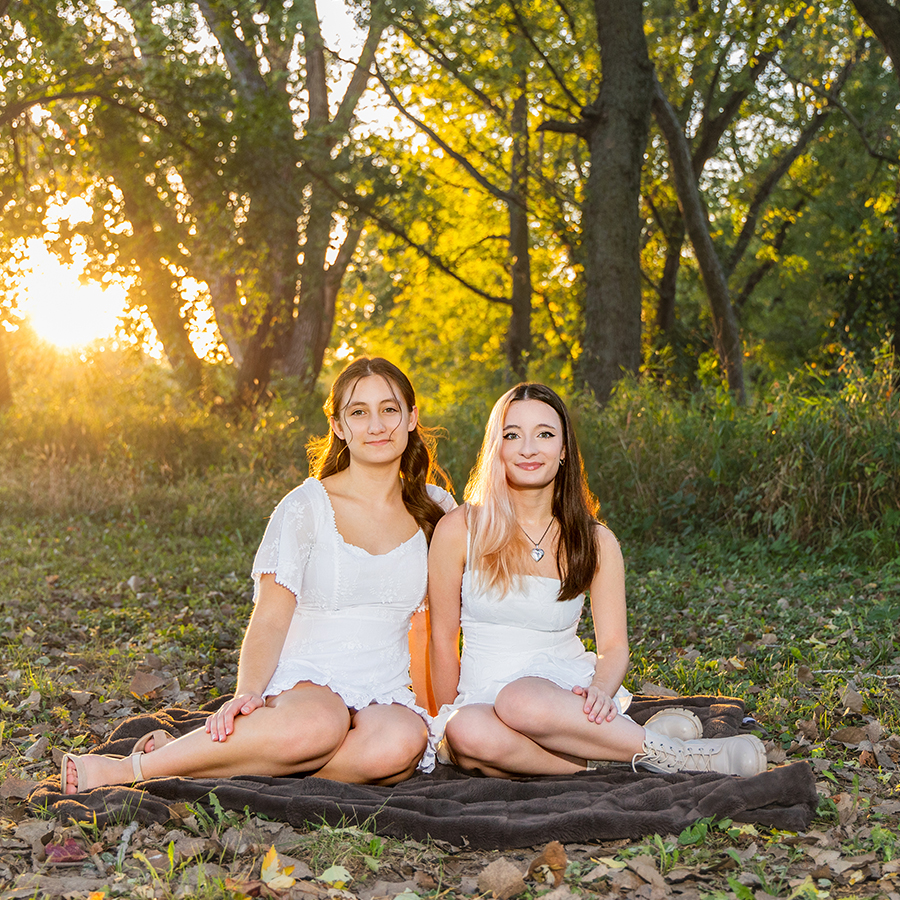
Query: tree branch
x=556 y=76
x=364 y=206
x=436 y=54
x=837 y=103
x=239 y=58
x=497 y=192
x=776 y=173
x=361 y=73
x=559 y=127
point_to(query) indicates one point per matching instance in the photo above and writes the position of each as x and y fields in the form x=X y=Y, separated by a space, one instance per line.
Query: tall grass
x=816 y=461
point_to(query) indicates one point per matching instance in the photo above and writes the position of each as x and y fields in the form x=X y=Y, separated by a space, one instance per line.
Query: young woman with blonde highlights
x=510 y=568
x=323 y=681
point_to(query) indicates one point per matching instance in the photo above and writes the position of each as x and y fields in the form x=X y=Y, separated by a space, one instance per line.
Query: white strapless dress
x=526 y=632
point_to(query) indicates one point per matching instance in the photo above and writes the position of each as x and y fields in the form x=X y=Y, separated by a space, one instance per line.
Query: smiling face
x=532 y=444
x=374 y=421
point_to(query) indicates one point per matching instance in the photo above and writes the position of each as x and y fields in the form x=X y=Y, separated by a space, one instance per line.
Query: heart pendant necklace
x=536 y=553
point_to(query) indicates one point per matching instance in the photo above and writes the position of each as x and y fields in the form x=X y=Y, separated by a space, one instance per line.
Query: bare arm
x=610 y=618
x=446 y=562
x=260 y=651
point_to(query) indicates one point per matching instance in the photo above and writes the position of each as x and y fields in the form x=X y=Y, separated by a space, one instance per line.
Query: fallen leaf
x=66 y=852
x=598 y=872
x=424 y=881
x=143 y=684
x=564 y=892
x=809 y=728
x=31 y=702
x=868 y=760
x=775 y=753
x=37 y=749
x=805 y=674
x=277 y=876
x=337 y=876
x=645 y=867
x=851 y=734
x=846 y=808
x=680 y=873
x=550 y=863
x=852 y=700
x=657 y=690
x=626 y=880
x=501 y=879
x=18 y=788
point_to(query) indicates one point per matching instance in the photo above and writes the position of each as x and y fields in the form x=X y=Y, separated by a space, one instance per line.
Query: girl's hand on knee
x=598 y=705
x=221 y=723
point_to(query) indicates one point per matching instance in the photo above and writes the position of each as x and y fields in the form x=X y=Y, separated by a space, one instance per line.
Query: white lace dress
x=525 y=632
x=351 y=624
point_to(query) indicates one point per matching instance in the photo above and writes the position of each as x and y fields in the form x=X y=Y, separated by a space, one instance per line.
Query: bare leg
x=296 y=731
x=553 y=718
x=383 y=746
x=480 y=742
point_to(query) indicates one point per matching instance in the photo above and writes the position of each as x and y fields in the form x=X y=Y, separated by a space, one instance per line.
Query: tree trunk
x=315 y=312
x=884 y=19
x=726 y=332
x=617 y=127
x=668 y=284
x=5 y=387
x=318 y=288
x=518 y=339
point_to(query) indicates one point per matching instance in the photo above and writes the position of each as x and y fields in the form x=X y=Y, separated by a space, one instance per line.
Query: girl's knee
x=526 y=706
x=515 y=705
x=397 y=751
x=473 y=740
x=315 y=733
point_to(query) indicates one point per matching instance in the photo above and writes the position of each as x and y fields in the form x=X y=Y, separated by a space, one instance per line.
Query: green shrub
x=816 y=460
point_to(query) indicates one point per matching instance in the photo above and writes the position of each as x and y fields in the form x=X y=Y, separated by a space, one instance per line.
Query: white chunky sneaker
x=742 y=755
x=675 y=722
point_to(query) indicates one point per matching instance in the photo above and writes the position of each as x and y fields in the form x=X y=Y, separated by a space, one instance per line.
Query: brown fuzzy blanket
x=483 y=813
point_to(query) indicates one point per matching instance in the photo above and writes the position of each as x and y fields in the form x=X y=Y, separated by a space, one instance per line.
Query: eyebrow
x=354 y=403
x=539 y=425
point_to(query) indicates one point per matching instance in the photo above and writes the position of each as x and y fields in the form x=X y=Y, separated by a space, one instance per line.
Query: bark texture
x=616 y=126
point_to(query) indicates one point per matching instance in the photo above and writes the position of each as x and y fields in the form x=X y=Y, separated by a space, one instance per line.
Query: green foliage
x=867 y=289
x=815 y=461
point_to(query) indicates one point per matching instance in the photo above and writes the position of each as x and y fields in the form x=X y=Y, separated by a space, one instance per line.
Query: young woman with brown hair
x=323 y=681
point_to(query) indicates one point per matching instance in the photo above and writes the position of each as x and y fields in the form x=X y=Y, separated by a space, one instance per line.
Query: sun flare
x=63 y=310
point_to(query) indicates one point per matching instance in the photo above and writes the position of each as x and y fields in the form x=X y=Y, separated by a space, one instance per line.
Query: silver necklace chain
x=537 y=554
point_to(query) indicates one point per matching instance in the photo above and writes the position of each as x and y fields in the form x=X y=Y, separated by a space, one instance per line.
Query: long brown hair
x=493 y=524
x=418 y=465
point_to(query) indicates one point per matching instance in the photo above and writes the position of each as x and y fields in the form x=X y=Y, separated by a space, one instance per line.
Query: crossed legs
x=537 y=728
x=305 y=729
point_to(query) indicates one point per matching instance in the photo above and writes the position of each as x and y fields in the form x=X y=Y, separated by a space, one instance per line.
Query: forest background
x=683 y=215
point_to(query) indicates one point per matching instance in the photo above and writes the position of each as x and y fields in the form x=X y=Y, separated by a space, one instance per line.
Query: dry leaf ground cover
x=105 y=616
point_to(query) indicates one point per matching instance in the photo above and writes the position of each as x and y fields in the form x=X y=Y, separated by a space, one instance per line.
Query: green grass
x=761 y=554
